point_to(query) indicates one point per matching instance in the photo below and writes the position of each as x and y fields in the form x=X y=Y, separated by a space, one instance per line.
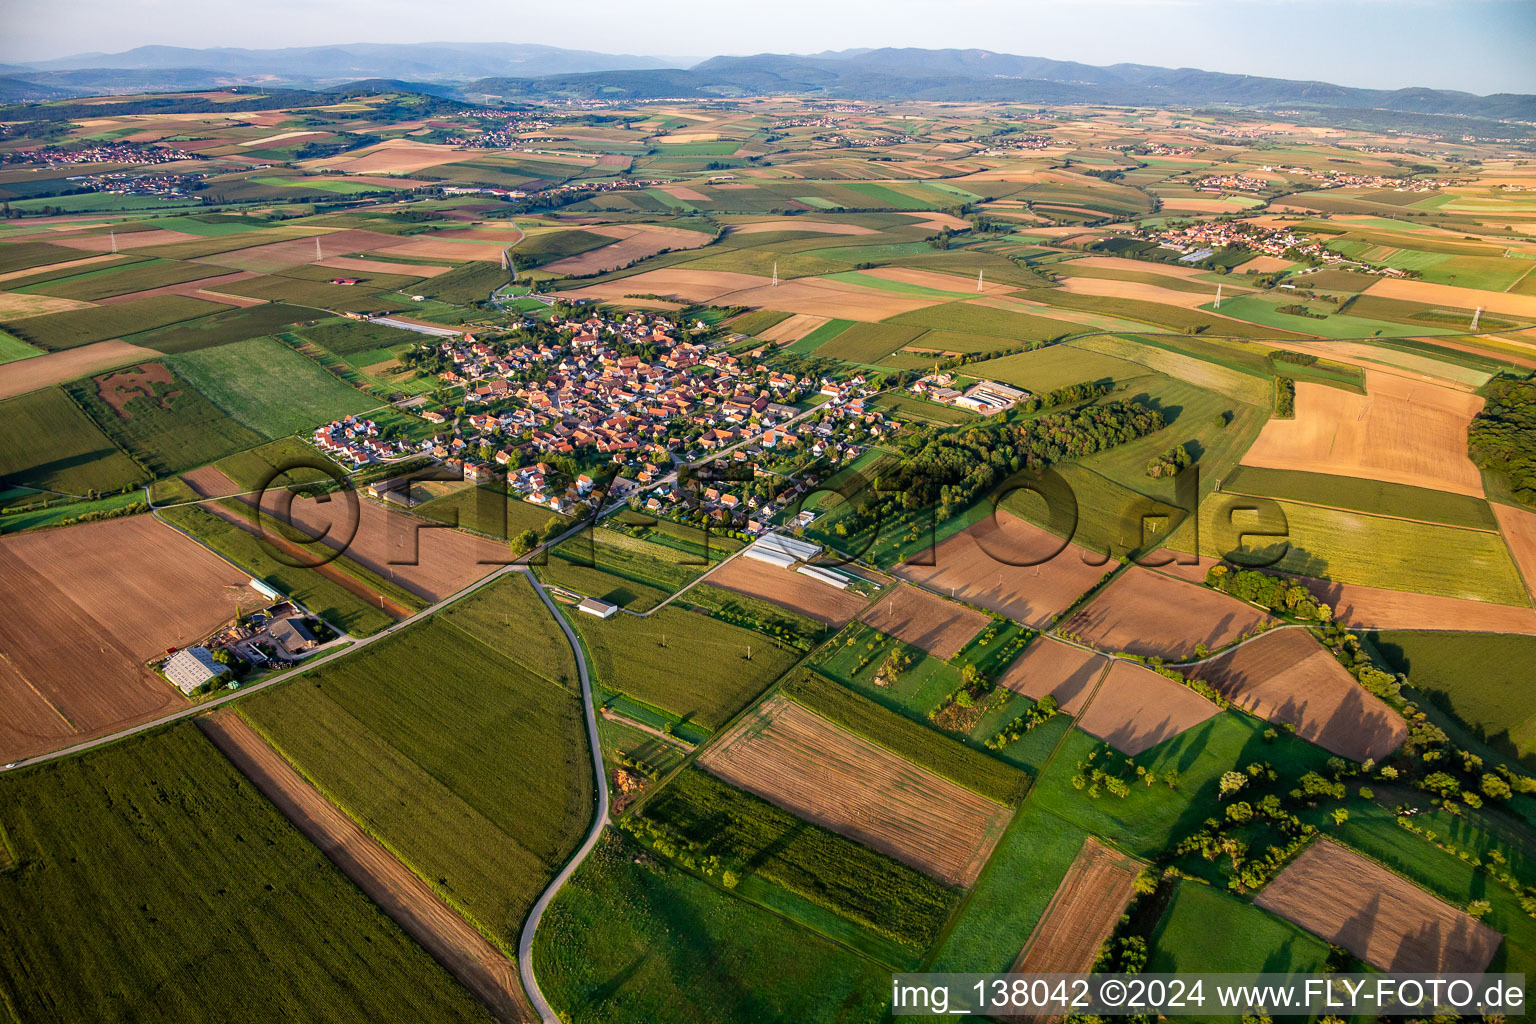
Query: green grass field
x=1204 y=929
x=659 y=568
x=178 y=429
x=269 y=387
x=471 y=768
x=1147 y=820
x=636 y=940
x=1373 y=497
x=973 y=318
x=1057 y=366
x=911 y=407
x=629 y=657
x=52 y=445
x=707 y=818
x=82 y=326
x=190 y=897
x=95 y=284
x=12 y=349
x=221 y=328
x=286 y=460
x=819 y=337
x=489 y=511
x=1012 y=892
x=867 y=343
x=1481 y=678
x=508 y=617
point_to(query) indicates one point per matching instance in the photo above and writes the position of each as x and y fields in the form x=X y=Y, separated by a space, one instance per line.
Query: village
x=567 y=414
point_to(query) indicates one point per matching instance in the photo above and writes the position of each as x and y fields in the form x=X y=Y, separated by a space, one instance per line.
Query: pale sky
x=1475 y=45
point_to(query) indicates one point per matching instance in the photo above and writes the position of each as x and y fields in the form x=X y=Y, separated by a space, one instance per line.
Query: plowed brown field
x=1134 y=709
x=428 y=559
x=925 y=620
x=85 y=608
x=1145 y=612
x=1382 y=918
x=803 y=763
x=790 y=589
x=408 y=900
x=980 y=566
x=25 y=375
x=1376 y=608
x=1087 y=906
x=1049 y=666
x=1287 y=676
x=1519 y=529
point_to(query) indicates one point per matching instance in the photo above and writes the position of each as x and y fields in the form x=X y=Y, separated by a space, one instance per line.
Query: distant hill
x=154 y=67
x=893 y=74
x=517 y=71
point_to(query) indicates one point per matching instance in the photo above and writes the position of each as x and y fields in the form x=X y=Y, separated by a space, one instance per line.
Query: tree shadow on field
x=1170 y=412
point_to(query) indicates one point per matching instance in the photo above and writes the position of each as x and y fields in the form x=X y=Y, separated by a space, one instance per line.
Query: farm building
x=190 y=668
x=291 y=635
x=841 y=582
x=777 y=549
x=602 y=609
x=265 y=591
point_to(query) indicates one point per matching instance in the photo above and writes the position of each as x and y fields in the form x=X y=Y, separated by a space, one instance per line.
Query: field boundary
x=397 y=890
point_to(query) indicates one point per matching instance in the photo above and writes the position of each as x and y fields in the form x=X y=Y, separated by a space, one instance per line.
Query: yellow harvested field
x=936 y=280
x=1381 y=917
x=382 y=267
x=985 y=565
x=631 y=243
x=1449 y=295
x=396 y=156
x=1402 y=431
x=25 y=375
x=20 y=305
x=1134 y=290
x=1286 y=676
x=428 y=247
x=828 y=298
x=937 y=221
x=1082 y=914
x=793 y=329
x=1148 y=613
x=1061 y=670
x=127 y=240
x=803 y=763
x=686 y=285
x=820 y=227
x=1266 y=265
x=1134 y=708
x=1139 y=266
x=925 y=620
x=278 y=138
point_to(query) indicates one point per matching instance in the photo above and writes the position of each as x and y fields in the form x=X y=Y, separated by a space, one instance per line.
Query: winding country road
x=525 y=941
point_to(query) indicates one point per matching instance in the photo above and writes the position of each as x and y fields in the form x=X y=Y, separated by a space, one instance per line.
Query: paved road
x=525 y=941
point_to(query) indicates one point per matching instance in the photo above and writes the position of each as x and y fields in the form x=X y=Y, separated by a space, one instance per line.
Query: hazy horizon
x=1479 y=46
